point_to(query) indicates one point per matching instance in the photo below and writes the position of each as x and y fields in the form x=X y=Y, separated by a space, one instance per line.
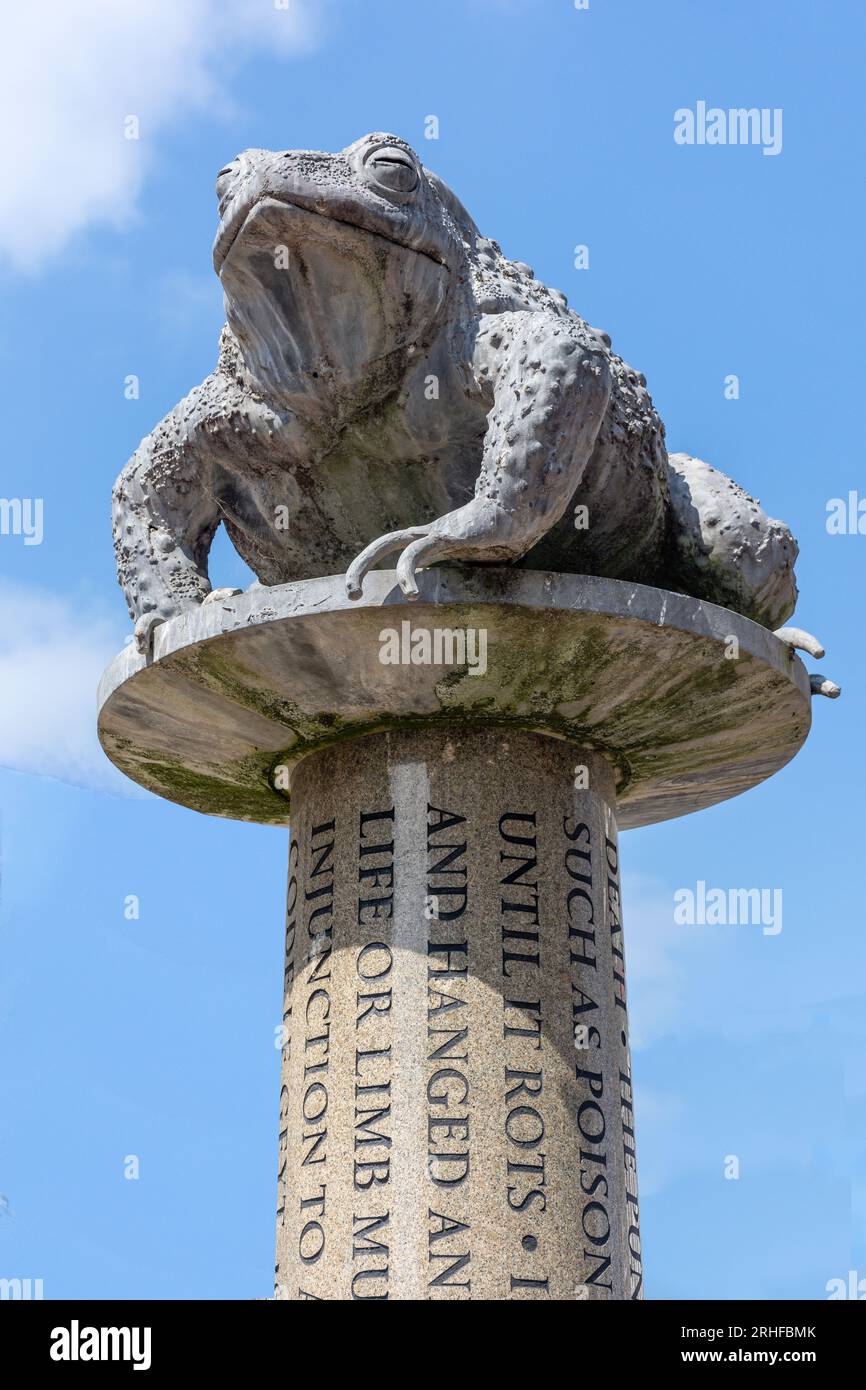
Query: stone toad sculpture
x=390 y=383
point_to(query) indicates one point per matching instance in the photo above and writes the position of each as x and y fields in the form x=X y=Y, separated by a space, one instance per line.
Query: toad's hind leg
x=724 y=546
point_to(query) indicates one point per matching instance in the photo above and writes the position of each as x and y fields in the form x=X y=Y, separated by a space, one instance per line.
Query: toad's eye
x=393 y=168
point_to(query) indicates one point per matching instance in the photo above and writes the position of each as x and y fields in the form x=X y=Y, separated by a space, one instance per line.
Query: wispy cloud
x=659 y=958
x=73 y=71
x=188 y=304
x=53 y=650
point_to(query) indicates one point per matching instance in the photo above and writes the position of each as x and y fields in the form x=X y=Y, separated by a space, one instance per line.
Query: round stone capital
x=690 y=703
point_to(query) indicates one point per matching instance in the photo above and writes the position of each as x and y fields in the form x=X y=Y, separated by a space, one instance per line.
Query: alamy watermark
x=720 y=907
x=436 y=646
x=853 y=1287
x=846 y=516
x=23 y=1289
x=738 y=125
x=22 y=516
x=77 y=1343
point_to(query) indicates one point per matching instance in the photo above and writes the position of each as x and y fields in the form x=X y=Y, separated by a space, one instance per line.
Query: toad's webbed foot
x=822 y=685
x=798 y=640
x=478 y=531
x=217 y=595
x=144 y=630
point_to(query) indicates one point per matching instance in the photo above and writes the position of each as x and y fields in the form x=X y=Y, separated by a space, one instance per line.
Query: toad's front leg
x=550 y=381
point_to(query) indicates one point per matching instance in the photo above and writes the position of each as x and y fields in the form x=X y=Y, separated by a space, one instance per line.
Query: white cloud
x=53 y=650
x=72 y=71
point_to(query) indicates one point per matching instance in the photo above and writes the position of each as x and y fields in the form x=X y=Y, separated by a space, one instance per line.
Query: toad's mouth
x=232 y=227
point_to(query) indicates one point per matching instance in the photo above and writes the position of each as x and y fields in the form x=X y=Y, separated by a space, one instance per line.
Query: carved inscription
x=524 y=1123
x=374 y=999
x=447 y=1078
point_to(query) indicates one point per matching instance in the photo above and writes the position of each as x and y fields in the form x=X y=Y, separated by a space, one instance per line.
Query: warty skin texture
x=389 y=383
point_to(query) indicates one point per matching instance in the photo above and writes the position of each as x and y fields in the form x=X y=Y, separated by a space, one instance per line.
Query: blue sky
x=154 y=1036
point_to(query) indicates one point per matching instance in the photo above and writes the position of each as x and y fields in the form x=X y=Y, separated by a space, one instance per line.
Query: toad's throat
x=321 y=307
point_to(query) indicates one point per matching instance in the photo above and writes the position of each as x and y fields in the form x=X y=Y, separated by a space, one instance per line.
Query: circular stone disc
x=237 y=691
